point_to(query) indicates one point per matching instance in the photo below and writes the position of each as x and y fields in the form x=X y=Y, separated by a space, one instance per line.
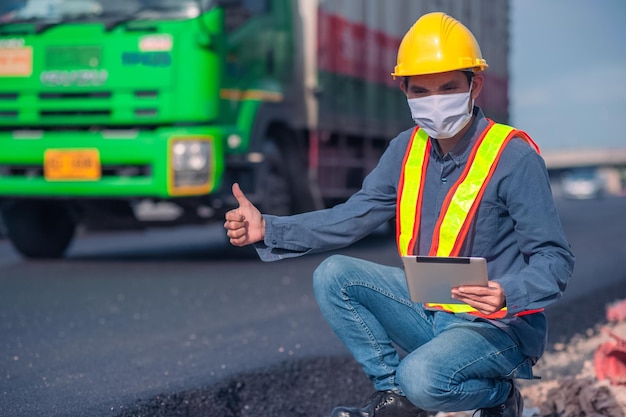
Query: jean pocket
x=522 y=371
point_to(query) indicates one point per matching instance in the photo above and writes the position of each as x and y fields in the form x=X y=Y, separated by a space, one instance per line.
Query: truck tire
x=281 y=180
x=39 y=229
x=272 y=182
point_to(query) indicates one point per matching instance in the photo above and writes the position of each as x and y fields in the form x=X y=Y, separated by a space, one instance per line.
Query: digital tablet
x=431 y=278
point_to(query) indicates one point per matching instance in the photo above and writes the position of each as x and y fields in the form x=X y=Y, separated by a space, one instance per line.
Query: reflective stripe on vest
x=461 y=202
x=409 y=199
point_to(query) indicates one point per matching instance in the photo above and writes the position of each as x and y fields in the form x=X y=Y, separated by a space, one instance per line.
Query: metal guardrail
x=574 y=158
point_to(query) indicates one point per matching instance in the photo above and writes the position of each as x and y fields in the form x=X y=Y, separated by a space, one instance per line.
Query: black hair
x=469 y=75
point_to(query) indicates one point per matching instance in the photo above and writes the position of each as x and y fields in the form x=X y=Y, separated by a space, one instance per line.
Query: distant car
x=582 y=183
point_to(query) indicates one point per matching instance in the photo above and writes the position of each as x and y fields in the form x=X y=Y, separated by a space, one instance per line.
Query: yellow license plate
x=72 y=164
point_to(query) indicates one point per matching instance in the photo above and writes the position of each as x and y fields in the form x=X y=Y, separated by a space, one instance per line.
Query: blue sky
x=568 y=72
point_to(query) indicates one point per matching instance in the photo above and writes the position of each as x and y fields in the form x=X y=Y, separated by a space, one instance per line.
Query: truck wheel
x=39 y=229
x=273 y=186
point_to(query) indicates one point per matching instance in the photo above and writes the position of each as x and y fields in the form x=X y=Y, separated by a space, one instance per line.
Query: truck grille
x=73 y=96
x=10 y=114
x=70 y=113
x=84 y=108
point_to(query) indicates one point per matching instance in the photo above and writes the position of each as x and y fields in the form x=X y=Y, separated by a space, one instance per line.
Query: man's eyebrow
x=449 y=84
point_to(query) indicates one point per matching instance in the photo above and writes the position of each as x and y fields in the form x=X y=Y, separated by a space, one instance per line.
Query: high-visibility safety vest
x=460 y=204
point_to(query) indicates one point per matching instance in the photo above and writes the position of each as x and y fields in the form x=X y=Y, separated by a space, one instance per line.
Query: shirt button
x=444 y=180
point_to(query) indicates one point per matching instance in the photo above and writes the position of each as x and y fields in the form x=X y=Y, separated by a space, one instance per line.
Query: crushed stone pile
x=587 y=376
x=578 y=398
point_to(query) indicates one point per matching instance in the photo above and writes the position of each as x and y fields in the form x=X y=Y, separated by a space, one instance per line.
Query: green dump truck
x=133 y=113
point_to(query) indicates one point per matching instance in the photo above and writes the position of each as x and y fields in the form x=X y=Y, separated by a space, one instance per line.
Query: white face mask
x=442 y=115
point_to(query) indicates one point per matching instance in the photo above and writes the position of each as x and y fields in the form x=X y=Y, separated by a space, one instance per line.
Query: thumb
x=240 y=196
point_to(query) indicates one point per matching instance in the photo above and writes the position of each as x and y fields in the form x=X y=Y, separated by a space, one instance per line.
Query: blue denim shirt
x=516 y=228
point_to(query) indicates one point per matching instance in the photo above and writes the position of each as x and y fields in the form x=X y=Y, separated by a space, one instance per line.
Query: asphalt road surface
x=177 y=322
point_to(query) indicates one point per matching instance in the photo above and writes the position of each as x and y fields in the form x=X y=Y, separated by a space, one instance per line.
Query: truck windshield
x=59 y=11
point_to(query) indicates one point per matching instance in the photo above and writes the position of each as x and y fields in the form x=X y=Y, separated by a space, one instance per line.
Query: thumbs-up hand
x=244 y=225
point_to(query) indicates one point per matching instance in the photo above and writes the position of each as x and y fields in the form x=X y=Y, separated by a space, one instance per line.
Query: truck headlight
x=191 y=165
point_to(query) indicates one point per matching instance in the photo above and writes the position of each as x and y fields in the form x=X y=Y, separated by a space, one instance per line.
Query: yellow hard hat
x=438 y=43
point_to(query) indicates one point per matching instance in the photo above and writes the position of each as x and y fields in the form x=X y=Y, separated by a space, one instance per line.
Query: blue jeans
x=451 y=364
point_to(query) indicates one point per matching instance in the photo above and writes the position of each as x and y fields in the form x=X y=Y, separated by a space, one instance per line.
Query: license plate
x=74 y=164
x=16 y=62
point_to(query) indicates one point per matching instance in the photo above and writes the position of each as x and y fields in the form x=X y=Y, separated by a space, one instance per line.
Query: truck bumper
x=111 y=163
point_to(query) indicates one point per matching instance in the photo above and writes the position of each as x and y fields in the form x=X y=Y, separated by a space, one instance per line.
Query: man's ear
x=477 y=85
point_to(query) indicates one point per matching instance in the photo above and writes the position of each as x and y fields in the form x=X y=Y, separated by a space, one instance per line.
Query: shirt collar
x=462 y=149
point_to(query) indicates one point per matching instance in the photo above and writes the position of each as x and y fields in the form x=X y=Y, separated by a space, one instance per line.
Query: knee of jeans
x=328 y=275
x=417 y=380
